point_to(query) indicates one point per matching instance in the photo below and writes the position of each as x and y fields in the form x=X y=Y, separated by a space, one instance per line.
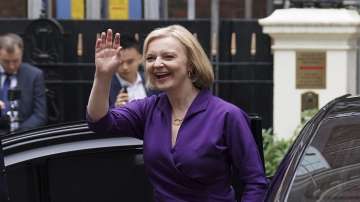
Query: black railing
x=243 y=69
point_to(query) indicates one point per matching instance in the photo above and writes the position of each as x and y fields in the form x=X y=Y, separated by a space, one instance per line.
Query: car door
x=330 y=167
x=324 y=162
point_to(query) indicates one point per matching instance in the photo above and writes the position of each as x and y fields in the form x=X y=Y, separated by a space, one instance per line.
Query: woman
x=192 y=139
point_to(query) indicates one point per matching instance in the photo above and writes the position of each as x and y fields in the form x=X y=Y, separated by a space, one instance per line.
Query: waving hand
x=107 y=53
x=107 y=59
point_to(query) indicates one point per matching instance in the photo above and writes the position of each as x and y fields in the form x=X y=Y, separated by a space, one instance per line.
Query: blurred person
x=25 y=77
x=128 y=83
x=192 y=139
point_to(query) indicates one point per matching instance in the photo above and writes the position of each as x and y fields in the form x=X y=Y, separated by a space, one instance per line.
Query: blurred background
x=59 y=38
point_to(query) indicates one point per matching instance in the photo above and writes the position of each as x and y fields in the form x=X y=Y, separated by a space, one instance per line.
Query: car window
x=330 y=167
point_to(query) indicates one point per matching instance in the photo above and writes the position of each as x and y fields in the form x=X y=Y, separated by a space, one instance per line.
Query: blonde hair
x=202 y=74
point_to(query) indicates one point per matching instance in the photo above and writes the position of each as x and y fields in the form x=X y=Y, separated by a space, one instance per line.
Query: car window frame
x=323 y=125
x=280 y=181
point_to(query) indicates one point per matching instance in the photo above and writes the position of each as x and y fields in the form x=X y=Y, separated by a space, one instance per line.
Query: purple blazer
x=213 y=137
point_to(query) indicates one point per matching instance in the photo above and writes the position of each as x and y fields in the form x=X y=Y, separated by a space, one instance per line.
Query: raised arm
x=107 y=59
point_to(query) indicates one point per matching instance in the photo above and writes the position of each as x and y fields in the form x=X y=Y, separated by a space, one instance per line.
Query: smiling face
x=166 y=64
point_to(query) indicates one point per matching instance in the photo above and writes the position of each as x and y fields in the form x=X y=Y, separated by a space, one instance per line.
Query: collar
x=2 y=71
x=199 y=104
x=123 y=82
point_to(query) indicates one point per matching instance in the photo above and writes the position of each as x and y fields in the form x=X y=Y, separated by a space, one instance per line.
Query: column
x=34 y=8
x=93 y=9
x=315 y=50
x=151 y=9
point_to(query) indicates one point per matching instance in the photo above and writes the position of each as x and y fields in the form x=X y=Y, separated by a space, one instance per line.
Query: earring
x=192 y=77
x=189 y=74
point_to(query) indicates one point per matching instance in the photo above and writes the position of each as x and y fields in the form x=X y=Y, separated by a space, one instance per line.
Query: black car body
x=323 y=163
x=71 y=163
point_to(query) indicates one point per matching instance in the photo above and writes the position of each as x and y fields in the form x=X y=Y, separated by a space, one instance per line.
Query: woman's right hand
x=107 y=60
x=107 y=54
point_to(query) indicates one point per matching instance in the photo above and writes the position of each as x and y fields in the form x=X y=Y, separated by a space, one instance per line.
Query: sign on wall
x=310 y=70
x=309 y=101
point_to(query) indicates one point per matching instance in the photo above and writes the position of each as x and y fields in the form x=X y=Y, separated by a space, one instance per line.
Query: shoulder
x=223 y=105
x=226 y=108
x=156 y=99
x=28 y=68
x=114 y=78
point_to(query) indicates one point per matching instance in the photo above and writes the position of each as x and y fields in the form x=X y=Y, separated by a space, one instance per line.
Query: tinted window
x=330 y=167
x=99 y=175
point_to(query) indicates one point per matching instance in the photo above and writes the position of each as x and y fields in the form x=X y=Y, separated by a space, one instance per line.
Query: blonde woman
x=192 y=139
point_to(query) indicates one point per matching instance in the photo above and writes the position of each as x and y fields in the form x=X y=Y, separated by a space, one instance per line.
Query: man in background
x=128 y=83
x=25 y=77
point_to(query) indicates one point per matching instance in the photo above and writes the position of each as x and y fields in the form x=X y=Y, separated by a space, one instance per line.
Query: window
x=330 y=167
x=14 y=8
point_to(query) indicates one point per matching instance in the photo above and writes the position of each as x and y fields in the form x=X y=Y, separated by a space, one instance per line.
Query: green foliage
x=274 y=151
x=275 y=148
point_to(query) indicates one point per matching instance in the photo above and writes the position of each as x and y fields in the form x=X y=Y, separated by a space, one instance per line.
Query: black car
x=323 y=164
x=71 y=163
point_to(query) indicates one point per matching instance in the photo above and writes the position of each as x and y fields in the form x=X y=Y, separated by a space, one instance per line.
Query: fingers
x=99 y=42
x=123 y=96
x=120 y=103
x=98 y=45
x=121 y=99
x=108 y=43
x=103 y=39
x=116 y=44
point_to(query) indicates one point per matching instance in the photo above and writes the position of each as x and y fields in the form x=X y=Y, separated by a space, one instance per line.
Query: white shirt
x=13 y=79
x=135 y=90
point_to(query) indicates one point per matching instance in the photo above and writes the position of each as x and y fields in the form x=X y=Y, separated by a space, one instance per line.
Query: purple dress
x=213 y=137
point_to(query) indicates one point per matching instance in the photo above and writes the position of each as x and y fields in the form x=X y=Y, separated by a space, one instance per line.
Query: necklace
x=177 y=121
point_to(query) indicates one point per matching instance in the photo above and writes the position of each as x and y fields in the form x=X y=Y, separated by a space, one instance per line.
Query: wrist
x=102 y=76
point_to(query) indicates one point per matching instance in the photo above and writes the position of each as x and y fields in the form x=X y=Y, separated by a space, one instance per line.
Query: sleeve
x=128 y=120
x=39 y=115
x=114 y=89
x=245 y=156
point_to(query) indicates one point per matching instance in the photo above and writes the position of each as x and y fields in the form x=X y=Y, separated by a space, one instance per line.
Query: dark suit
x=116 y=87
x=32 y=104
